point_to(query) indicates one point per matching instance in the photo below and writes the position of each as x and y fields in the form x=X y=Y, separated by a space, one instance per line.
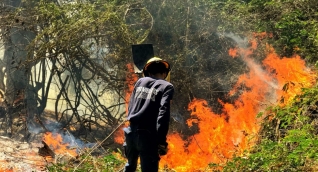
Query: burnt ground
x=25 y=150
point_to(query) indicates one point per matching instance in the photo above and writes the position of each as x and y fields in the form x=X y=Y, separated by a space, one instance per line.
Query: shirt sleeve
x=132 y=97
x=164 y=115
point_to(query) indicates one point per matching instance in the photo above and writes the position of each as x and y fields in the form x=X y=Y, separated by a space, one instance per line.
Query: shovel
x=141 y=54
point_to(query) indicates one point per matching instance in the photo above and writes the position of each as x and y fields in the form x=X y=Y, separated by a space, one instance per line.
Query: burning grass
x=234 y=134
x=288 y=140
x=221 y=137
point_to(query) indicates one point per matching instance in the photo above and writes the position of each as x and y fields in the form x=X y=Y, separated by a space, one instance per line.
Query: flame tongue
x=233 y=131
x=291 y=74
x=55 y=142
x=217 y=140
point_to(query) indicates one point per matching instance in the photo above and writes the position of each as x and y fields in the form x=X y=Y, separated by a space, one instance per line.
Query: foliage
x=289 y=138
x=67 y=26
x=292 y=23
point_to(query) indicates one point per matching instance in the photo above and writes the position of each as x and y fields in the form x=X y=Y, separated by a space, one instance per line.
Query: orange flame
x=55 y=142
x=289 y=72
x=221 y=136
x=262 y=35
x=131 y=79
x=233 y=52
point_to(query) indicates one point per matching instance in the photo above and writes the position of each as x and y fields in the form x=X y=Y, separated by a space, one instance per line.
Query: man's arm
x=164 y=115
x=132 y=96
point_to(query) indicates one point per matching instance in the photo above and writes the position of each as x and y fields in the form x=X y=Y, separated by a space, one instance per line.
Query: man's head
x=156 y=66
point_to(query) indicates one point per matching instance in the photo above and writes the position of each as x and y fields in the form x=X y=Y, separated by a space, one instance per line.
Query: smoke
x=34 y=128
x=241 y=42
x=244 y=52
x=260 y=72
x=74 y=142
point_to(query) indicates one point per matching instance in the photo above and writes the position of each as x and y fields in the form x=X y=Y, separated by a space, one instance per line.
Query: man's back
x=150 y=99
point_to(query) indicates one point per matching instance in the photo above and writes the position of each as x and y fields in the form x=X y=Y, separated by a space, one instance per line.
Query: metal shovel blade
x=141 y=54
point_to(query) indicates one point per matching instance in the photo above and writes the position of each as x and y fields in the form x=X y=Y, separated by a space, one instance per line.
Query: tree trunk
x=20 y=101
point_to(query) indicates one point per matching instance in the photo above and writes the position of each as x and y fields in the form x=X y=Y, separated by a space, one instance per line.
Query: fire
x=55 y=142
x=233 y=52
x=234 y=131
x=220 y=136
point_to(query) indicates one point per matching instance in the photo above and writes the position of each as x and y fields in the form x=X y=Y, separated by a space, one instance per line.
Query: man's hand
x=162 y=150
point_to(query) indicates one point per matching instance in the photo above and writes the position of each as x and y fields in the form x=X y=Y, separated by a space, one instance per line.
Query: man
x=149 y=116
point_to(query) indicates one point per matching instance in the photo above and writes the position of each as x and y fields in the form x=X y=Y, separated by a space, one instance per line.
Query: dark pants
x=143 y=144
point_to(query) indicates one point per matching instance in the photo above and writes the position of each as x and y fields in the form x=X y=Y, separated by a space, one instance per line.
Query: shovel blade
x=141 y=54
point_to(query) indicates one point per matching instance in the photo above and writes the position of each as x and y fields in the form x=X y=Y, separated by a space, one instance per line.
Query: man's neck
x=158 y=76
